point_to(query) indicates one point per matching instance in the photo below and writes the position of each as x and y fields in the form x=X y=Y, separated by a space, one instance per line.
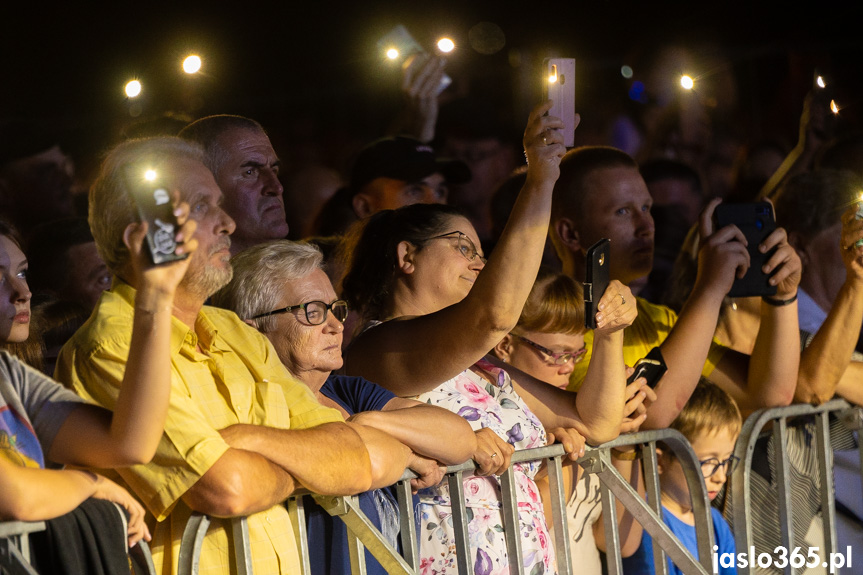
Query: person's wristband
x=625 y=455
x=779 y=302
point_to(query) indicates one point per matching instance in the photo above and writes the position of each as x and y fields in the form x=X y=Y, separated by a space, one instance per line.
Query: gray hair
x=207 y=132
x=260 y=273
x=112 y=207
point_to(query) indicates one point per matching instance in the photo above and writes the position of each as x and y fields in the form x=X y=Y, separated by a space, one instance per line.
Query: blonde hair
x=111 y=205
x=555 y=305
x=709 y=410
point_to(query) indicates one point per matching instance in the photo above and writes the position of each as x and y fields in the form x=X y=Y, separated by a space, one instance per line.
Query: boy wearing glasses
x=711 y=422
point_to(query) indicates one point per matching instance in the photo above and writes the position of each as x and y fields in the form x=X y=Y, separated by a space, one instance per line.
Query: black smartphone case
x=596 y=280
x=155 y=207
x=756 y=221
x=652 y=367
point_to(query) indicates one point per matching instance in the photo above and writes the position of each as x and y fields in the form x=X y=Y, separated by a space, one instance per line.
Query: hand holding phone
x=559 y=86
x=651 y=367
x=596 y=279
x=398 y=45
x=155 y=207
x=756 y=221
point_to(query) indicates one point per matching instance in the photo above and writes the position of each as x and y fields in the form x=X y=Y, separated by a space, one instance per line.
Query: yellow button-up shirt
x=650 y=328
x=237 y=379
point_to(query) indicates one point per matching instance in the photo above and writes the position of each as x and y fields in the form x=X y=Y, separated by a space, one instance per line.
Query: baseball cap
x=405 y=159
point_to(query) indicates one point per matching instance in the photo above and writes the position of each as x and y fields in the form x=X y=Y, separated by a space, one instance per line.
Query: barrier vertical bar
x=191 y=544
x=297 y=514
x=511 y=525
x=459 y=521
x=651 y=485
x=825 y=472
x=242 y=548
x=612 y=530
x=783 y=488
x=407 y=524
x=558 y=515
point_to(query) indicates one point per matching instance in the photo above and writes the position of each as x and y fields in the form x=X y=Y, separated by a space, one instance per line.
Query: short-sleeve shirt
x=32 y=410
x=650 y=328
x=641 y=563
x=223 y=372
x=328 y=536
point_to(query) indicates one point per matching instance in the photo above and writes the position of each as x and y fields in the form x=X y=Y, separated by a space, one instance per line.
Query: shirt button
x=238 y=407
x=265 y=380
x=269 y=520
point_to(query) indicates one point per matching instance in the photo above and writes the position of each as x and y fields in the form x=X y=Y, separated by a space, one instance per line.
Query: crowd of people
x=428 y=312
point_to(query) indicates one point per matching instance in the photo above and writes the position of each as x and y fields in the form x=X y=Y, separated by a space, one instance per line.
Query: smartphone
x=756 y=221
x=155 y=207
x=398 y=45
x=596 y=280
x=558 y=81
x=651 y=367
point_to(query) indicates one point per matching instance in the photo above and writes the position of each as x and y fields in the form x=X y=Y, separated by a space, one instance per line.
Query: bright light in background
x=133 y=89
x=834 y=107
x=192 y=64
x=392 y=53
x=150 y=175
x=687 y=82
x=820 y=81
x=626 y=72
x=445 y=45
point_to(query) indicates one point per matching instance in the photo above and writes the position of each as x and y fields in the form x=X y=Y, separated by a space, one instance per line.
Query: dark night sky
x=278 y=61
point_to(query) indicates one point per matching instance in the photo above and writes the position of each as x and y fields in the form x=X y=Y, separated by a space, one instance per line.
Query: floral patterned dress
x=496 y=406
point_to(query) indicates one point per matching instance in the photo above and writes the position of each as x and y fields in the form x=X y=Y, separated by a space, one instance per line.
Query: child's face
x=717 y=446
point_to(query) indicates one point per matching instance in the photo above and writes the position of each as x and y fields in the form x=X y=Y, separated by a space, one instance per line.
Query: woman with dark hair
x=415 y=277
x=44 y=425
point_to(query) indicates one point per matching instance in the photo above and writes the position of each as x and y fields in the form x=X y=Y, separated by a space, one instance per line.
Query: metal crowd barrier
x=15 y=546
x=363 y=535
x=741 y=478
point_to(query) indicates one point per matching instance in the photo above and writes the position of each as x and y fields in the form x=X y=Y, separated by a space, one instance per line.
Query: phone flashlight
x=834 y=107
x=392 y=54
x=819 y=81
x=687 y=82
x=445 y=45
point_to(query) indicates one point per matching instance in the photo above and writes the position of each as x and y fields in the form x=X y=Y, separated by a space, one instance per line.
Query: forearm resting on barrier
x=329 y=459
x=239 y=483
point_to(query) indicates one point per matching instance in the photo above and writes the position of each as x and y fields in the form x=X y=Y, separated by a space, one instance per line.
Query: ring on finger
x=622 y=299
x=545 y=140
x=493 y=455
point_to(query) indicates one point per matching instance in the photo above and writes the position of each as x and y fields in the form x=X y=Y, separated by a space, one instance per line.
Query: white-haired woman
x=281 y=289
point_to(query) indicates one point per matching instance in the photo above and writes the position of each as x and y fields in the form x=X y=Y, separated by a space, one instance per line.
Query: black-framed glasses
x=315 y=311
x=465 y=246
x=709 y=467
x=557 y=357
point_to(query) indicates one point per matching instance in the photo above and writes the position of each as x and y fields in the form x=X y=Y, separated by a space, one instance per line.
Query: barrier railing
x=741 y=479
x=15 y=546
x=362 y=534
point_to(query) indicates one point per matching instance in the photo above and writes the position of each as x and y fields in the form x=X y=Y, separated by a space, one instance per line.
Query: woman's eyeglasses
x=315 y=311
x=556 y=357
x=465 y=246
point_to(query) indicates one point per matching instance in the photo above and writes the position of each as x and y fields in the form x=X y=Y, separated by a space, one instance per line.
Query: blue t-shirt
x=641 y=563
x=328 y=536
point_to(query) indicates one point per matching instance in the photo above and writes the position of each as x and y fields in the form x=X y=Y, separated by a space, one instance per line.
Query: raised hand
x=722 y=256
x=543 y=144
x=167 y=276
x=852 y=252
x=784 y=264
x=421 y=78
x=617 y=308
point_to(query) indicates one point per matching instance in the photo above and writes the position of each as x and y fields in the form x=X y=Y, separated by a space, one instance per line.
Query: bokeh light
x=834 y=107
x=150 y=175
x=626 y=72
x=820 y=81
x=687 y=82
x=192 y=64
x=392 y=53
x=133 y=89
x=445 y=45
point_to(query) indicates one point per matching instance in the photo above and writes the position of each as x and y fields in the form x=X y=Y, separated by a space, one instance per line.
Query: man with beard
x=601 y=194
x=241 y=433
x=239 y=153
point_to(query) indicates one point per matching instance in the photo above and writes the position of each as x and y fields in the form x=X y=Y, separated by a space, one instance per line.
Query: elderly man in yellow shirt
x=241 y=433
